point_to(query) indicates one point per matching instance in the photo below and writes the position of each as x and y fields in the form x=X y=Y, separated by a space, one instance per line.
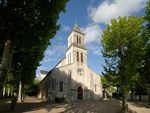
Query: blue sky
x=92 y=16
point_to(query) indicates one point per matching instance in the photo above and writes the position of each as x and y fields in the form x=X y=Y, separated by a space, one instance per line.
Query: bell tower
x=76 y=52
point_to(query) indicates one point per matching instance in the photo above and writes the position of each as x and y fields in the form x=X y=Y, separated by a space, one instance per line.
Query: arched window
x=80 y=92
x=61 y=86
x=81 y=57
x=70 y=57
x=79 y=40
x=77 y=56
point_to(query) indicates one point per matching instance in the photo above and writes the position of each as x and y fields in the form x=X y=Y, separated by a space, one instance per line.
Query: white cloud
x=65 y=28
x=42 y=67
x=49 y=53
x=48 y=56
x=59 y=48
x=103 y=13
x=107 y=10
x=53 y=53
x=47 y=59
x=94 y=48
x=92 y=33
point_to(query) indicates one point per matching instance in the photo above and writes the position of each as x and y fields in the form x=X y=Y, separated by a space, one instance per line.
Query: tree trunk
x=23 y=93
x=148 y=90
x=140 y=98
x=5 y=62
x=123 y=97
x=14 y=97
x=4 y=91
x=123 y=81
x=17 y=89
x=148 y=98
x=20 y=93
x=20 y=84
x=8 y=92
x=124 y=104
x=13 y=102
x=132 y=95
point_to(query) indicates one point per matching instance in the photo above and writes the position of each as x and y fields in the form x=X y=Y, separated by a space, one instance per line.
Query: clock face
x=80 y=71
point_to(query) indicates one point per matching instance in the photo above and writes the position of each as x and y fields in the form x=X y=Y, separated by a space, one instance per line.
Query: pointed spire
x=75 y=21
x=76 y=27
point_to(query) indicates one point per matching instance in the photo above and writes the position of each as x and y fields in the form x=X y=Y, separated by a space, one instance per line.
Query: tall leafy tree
x=147 y=64
x=144 y=67
x=122 y=44
x=147 y=54
x=24 y=25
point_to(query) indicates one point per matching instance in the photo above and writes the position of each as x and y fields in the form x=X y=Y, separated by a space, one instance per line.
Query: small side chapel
x=71 y=78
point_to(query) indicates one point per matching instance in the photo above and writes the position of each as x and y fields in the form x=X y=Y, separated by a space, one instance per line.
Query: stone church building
x=71 y=78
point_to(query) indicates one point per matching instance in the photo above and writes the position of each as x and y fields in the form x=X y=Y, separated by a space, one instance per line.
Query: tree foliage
x=28 y=25
x=146 y=56
x=122 y=43
x=144 y=67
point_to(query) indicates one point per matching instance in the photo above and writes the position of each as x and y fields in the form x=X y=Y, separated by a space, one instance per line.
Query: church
x=71 y=78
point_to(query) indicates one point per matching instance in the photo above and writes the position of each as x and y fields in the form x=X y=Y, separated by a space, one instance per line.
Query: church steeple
x=76 y=52
x=76 y=27
x=76 y=36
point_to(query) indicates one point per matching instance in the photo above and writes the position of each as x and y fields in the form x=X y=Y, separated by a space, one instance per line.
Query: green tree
x=26 y=26
x=122 y=43
x=32 y=89
x=144 y=67
x=110 y=79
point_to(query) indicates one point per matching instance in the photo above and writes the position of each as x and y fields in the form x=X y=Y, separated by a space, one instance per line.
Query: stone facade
x=72 y=78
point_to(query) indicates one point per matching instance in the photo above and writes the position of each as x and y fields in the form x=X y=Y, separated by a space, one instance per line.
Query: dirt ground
x=33 y=105
x=139 y=107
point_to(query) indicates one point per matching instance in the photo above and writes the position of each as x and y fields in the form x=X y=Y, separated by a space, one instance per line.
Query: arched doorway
x=79 y=93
